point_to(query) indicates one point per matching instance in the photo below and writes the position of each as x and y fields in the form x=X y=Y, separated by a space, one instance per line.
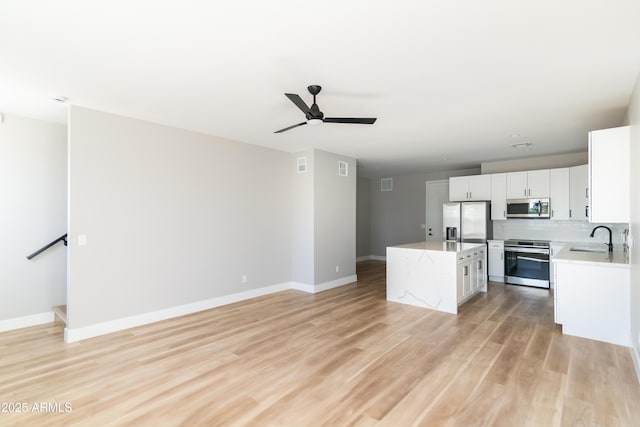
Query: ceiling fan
x=315 y=116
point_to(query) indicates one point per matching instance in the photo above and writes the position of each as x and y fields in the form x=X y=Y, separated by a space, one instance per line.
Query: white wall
x=334 y=218
x=634 y=121
x=33 y=205
x=302 y=263
x=541 y=162
x=397 y=216
x=363 y=217
x=172 y=217
x=324 y=223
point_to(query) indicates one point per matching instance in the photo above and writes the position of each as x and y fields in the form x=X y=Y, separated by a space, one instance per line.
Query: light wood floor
x=341 y=357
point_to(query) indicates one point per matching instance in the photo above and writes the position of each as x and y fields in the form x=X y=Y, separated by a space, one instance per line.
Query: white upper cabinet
x=528 y=184
x=458 y=188
x=517 y=185
x=498 y=196
x=579 y=193
x=475 y=187
x=609 y=175
x=559 y=193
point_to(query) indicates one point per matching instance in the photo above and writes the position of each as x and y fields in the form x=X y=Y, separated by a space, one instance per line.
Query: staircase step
x=61 y=314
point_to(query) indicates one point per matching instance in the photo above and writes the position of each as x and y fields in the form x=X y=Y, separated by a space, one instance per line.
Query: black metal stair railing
x=62 y=238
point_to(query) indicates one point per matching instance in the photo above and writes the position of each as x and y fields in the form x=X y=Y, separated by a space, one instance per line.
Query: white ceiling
x=447 y=79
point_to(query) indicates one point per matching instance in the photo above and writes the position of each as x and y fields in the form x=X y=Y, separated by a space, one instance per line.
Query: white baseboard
x=313 y=289
x=77 y=334
x=303 y=287
x=335 y=283
x=635 y=355
x=371 y=258
x=85 y=332
x=26 y=321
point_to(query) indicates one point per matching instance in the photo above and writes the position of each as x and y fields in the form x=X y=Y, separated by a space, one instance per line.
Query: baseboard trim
x=303 y=287
x=77 y=334
x=86 y=332
x=314 y=289
x=371 y=258
x=336 y=283
x=26 y=321
x=635 y=355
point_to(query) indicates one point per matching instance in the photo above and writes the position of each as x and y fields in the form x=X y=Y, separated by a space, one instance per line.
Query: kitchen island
x=592 y=292
x=436 y=275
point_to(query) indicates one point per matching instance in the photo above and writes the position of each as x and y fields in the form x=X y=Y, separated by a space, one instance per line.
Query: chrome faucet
x=609 y=230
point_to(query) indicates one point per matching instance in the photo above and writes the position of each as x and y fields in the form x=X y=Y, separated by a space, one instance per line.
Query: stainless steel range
x=526 y=262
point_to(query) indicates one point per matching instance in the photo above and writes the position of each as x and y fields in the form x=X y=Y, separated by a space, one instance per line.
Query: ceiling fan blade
x=361 y=120
x=290 y=127
x=299 y=102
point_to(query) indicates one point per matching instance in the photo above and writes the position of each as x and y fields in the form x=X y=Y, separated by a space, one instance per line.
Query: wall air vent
x=301 y=164
x=386 y=184
x=343 y=168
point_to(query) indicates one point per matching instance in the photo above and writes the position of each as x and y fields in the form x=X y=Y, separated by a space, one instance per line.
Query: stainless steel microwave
x=528 y=208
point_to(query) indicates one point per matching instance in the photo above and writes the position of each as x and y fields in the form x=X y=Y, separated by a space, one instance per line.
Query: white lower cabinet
x=554 y=248
x=464 y=276
x=479 y=265
x=471 y=274
x=592 y=301
x=496 y=260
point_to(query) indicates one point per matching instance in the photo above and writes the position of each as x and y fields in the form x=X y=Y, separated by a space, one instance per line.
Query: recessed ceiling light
x=515 y=135
x=59 y=98
x=522 y=145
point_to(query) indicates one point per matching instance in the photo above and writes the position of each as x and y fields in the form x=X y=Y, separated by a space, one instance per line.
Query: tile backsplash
x=555 y=231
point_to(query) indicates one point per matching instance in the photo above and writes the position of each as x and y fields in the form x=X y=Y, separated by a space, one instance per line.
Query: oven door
x=526 y=266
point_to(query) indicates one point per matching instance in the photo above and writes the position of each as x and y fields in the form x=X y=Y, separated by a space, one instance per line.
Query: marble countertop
x=440 y=246
x=617 y=258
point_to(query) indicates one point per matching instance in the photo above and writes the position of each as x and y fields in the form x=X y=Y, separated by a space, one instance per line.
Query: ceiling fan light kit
x=313 y=114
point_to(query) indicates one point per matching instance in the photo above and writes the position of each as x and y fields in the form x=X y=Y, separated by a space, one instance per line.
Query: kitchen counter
x=436 y=275
x=618 y=258
x=441 y=246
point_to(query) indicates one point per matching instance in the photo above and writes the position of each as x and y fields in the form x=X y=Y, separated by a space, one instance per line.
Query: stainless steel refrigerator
x=467 y=222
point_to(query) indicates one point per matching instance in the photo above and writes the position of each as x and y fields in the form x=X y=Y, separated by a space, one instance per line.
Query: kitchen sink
x=593 y=250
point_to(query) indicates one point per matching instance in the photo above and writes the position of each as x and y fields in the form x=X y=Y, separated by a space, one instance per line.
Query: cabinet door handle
x=525 y=192
x=570 y=212
x=504 y=214
x=586 y=211
x=466 y=270
x=552 y=214
x=470 y=196
x=586 y=193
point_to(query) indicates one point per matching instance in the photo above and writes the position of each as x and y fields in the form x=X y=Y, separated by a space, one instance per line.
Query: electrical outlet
x=337 y=268
x=244 y=278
